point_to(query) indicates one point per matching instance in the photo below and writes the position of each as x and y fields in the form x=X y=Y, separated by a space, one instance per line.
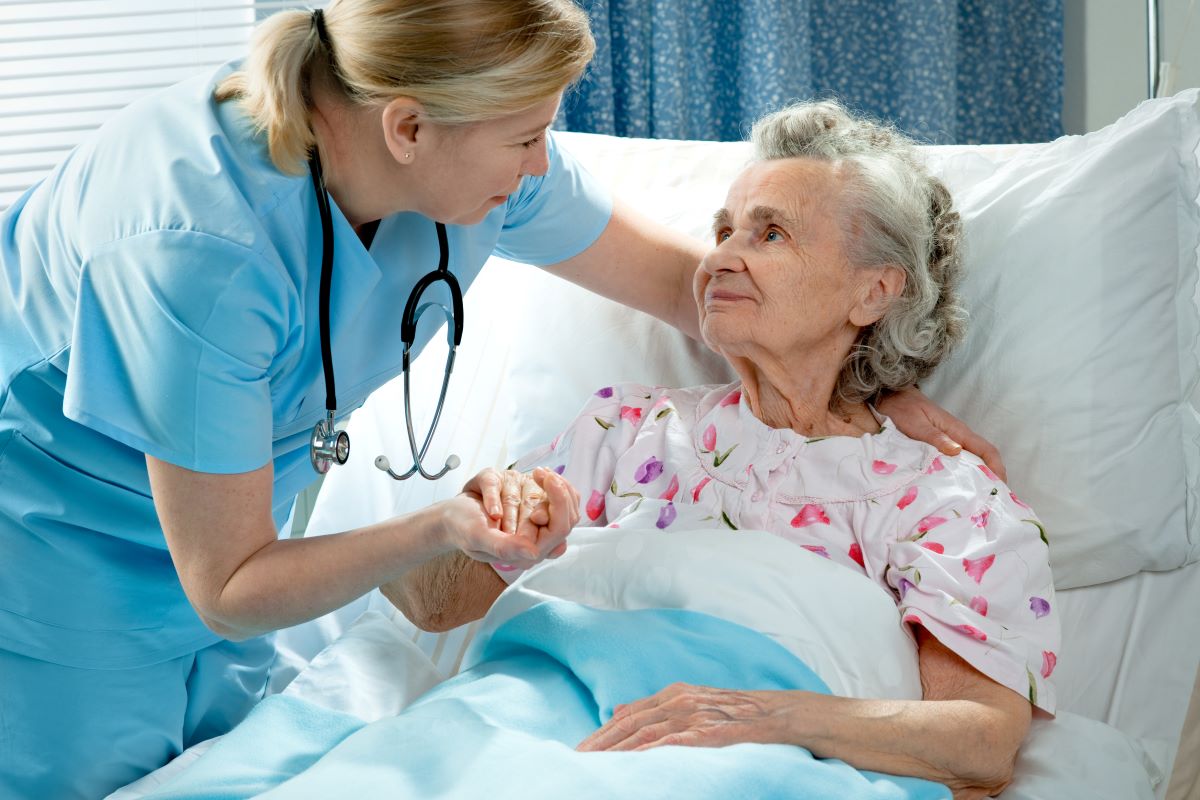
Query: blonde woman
x=162 y=363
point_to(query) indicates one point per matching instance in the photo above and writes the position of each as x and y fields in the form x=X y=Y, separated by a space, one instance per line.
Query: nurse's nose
x=537 y=160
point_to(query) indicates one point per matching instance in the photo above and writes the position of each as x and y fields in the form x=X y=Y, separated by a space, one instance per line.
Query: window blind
x=68 y=65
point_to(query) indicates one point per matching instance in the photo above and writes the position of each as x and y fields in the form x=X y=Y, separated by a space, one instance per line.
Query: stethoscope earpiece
x=329 y=446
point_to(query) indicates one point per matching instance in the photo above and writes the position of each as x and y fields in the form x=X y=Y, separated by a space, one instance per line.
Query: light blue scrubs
x=159 y=294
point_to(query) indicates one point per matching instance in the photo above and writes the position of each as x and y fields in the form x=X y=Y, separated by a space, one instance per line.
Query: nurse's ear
x=404 y=128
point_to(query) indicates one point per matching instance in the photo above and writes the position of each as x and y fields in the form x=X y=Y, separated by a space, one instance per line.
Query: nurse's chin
x=477 y=215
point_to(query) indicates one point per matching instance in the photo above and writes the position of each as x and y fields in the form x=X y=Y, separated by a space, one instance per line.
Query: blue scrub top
x=159 y=294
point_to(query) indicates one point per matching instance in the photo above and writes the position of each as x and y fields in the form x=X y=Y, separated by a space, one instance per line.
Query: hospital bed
x=1082 y=364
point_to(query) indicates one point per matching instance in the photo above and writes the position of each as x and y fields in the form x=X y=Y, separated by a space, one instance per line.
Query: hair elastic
x=318 y=18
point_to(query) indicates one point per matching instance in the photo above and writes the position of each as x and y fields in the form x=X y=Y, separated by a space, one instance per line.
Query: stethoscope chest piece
x=329 y=446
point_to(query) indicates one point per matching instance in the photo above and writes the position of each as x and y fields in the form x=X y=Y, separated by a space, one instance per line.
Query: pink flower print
x=1049 y=662
x=981 y=519
x=672 y=489
x=708 y=441
x=665 y=516
x=935 y=466
x=731 y=399
x=856 y=555
x=554 y=444
x=816 y=548
x=975 y=567
x=631 y=413
x=699 y=487
x=882 y=467
x=909 y=496
x=912 y=619
x=606 y=392
x=1019 y=501
x=810 y=514
x=991 y=476
x=934 y=546
x=972 y=631
x=1039 y=607
x=663 y=400
x=504 y=567
x=979 y=605
x=929 y=523
x=595 y=505
x=905 y=585
x=648 y=471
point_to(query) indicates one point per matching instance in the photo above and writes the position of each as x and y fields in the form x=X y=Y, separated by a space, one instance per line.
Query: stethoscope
x=330 y=446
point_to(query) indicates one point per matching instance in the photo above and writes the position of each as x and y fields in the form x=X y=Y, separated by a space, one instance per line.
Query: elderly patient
x=831 y=279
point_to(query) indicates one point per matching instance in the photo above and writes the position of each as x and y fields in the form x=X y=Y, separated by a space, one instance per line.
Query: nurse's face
x=468 y=170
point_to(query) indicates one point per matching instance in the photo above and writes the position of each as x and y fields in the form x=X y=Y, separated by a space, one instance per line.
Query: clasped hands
x=513 y=519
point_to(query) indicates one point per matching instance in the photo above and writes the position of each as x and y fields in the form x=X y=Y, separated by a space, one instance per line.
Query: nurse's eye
x=722 y=235
x=533 y=142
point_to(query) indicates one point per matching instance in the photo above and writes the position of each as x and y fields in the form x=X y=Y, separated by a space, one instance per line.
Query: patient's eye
x=532 y=141
x=774 y=235
x=722 y=235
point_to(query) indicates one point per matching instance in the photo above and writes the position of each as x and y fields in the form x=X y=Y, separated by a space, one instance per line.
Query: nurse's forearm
x=642 y=264
x=290 y=581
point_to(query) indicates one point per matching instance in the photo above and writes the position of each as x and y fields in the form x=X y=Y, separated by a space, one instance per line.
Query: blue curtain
x=945 y=71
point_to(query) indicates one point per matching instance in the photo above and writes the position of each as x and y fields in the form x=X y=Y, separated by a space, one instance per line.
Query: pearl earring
x=407 y=156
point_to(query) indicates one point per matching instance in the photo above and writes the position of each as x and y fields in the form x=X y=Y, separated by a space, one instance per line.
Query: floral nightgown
x=960 y=553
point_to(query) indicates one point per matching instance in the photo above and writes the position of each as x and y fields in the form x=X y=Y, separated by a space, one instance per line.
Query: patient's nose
x=725 y=257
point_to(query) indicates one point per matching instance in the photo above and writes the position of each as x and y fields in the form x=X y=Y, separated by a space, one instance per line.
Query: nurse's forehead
x=789 y=187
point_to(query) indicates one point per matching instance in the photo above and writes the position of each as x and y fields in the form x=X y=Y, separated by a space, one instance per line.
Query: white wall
x=1104 y=54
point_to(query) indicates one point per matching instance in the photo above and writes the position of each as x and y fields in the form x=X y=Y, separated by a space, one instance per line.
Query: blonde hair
x=895 y=212
x=464 y=60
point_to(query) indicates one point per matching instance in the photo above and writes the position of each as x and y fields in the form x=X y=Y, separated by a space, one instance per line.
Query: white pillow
x=842 y=625
x=1081 y=362
x=1073 y=756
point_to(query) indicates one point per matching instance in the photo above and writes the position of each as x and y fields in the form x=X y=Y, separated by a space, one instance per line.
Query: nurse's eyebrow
x=536 y=130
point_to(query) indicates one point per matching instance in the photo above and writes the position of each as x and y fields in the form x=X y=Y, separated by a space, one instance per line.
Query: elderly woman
x=831 y=279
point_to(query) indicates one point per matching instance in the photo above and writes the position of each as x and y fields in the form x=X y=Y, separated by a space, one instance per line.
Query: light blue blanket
x=508 y=726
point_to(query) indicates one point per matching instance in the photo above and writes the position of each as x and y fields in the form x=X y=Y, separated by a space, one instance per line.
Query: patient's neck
x=799 y=400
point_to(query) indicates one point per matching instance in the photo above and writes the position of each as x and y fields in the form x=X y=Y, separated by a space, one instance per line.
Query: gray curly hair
x=893 y=212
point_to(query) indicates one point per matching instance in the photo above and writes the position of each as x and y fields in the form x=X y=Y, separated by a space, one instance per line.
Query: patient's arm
x=460 y=587
x=964 y=733
x=446 y=592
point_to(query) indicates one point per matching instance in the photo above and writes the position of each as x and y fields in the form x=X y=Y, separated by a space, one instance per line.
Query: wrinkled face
x=777 y=277
x=469 y=170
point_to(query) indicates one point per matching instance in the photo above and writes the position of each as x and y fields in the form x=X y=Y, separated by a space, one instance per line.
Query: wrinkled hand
x=920 y=418
x=691 y=716
x=513 y=518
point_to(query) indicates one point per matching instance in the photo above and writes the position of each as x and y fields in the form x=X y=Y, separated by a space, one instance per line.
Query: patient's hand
x=527 y=517
x=920 y=418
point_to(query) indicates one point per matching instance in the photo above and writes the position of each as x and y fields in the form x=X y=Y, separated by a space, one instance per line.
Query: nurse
x=161 y=370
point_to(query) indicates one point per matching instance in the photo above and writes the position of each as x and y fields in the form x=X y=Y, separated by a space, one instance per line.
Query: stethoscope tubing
x=328 y=446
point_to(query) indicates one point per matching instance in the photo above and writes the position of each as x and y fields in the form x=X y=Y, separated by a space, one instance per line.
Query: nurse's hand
x=508 y=517
x=920 y=418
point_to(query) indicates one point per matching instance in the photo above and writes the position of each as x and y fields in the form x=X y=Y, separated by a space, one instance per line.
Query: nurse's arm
x=244 y=581
x=642 y=264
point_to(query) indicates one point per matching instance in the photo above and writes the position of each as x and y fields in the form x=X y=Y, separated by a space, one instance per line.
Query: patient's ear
x=880 y=288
